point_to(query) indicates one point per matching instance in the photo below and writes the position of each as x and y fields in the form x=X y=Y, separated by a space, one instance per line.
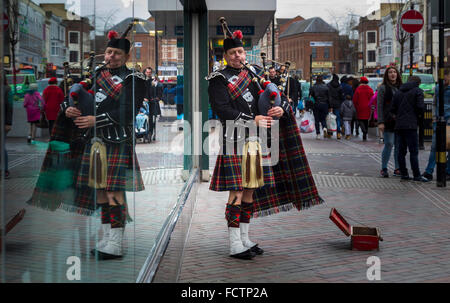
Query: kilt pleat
x=227 y=174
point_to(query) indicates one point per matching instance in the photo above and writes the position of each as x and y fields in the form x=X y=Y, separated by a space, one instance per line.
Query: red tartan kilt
x=227 y=174
x=120 y=175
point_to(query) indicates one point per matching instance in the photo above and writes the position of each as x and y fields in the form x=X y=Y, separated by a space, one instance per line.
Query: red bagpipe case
x=362 y=238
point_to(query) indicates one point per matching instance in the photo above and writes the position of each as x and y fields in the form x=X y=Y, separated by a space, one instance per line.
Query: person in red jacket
x=53 y=97
x=361 y=100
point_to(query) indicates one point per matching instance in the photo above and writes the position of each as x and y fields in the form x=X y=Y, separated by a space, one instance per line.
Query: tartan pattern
x=107 y=84
x=118 y=213
x=79 y=199
x=246 y=212
x=240 y=85
x=227 y=174
x=295 y=186
x=105 y=214
x=233 y=214
x=120 y=176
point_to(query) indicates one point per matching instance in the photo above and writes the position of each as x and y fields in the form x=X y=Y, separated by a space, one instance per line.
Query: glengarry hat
x=234 y=41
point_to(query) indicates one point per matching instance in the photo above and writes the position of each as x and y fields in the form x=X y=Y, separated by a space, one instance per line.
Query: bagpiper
x=97 y=124
x=254 y=189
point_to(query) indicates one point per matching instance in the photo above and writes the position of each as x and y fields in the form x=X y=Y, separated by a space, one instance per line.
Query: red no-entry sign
x=412 y=21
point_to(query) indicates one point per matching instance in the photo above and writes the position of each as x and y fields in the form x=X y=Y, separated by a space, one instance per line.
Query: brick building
x=315 y=37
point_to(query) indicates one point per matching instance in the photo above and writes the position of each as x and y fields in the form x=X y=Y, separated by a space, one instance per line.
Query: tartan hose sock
x=105 y=213
x=118 y=215
x=246 y=212
x=233 y=215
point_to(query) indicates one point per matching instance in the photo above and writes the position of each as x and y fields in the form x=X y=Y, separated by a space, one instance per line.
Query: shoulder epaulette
x=214 y=75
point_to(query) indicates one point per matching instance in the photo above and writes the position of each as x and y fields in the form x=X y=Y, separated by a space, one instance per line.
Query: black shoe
x=421 y=179
x=364 y=137
x=29 y=140
x=258 y=251
x=384 y=173
x=428 y=176
x=246 y=255
x=406 y=178
x=397 y=173
x=104 y=256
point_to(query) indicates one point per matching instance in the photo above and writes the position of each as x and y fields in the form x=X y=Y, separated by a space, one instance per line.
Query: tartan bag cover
x=294 y=183
x=240 y=85
x=106 y=82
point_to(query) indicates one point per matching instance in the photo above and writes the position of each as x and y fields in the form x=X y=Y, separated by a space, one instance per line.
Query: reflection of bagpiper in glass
x=104 y=161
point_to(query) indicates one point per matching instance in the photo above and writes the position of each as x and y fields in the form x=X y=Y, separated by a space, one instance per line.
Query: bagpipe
x=269 y=94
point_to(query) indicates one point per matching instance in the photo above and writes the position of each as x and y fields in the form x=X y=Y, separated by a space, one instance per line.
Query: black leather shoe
x=258 y=251
x=428 y=176
x=104 y=256
x=246 y=255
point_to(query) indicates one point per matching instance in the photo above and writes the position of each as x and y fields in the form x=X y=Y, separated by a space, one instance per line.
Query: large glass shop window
x=92 y=139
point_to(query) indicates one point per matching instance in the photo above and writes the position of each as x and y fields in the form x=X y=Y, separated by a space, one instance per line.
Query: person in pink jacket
x=361 y=99
x=32 y=104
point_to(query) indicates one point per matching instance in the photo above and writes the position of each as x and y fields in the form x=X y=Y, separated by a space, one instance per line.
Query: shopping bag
x=43 y=122
x=307 y=123
x=331 y=122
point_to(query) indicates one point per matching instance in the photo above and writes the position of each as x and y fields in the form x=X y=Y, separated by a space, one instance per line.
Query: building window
x=389 y=48
x=54 y=51
x=314 y=52
x=74 y=37
x=73 y=56
x=326 y=53
x=371 y=56
x=371 y=37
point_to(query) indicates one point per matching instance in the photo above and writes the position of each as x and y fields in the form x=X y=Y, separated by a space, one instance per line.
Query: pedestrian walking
x=33 y=105
x=53 y=97
x=322 y=99
x=254 y=189
x=432 y=158
x=336 y=100
x=408 y=105
x=386 y=122
x=346 y=84
x=348 y=113
x=152 y=97
x=7 y=116
x=355 y=125
x=273 y=76
x=361 y=99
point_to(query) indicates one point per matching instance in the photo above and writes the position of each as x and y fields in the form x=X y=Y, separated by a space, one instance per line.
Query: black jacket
x=295 y=89
x=7 y=106
x=236 y=111
x=336 y=94
x=321 y=94
x=408 y=105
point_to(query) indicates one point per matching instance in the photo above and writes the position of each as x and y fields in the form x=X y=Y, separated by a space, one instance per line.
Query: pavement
x=307 y=246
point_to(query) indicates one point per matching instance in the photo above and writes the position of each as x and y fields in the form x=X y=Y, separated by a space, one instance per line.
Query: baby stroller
x=142 y=127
